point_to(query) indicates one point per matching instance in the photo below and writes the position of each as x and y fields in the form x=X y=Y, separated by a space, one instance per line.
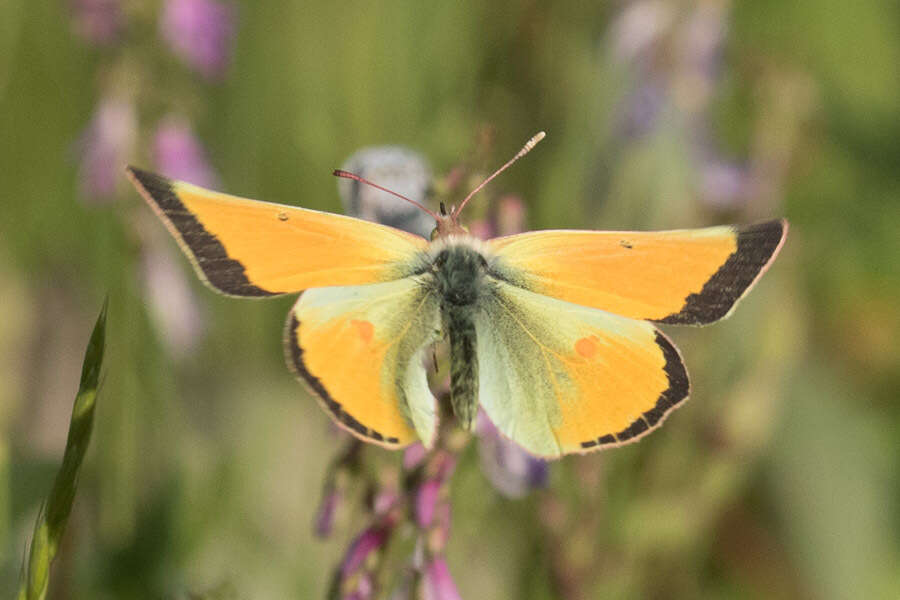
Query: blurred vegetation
x=779 y=479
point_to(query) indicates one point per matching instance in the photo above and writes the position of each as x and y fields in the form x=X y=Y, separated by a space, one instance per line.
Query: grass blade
x=52 y=518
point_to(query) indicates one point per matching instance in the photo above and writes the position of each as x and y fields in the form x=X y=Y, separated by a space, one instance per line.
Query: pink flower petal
x=201 y=33
x=439 y=584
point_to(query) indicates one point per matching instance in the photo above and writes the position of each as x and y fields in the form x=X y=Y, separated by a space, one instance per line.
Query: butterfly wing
x=361 y=349
x=685 y=277
x=249 y=248
x=558 y=378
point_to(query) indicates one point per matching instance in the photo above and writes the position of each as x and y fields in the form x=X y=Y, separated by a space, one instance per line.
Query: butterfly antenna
x=349 y=175
x=525 y=150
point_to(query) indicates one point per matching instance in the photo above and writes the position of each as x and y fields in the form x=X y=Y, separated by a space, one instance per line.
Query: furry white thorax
x=468 y=241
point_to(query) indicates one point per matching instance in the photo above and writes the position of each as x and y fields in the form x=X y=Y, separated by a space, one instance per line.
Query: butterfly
x=552 y=333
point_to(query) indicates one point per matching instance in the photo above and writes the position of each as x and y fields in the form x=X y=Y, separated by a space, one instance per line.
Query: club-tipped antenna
x=525 y=150
x=349 y=175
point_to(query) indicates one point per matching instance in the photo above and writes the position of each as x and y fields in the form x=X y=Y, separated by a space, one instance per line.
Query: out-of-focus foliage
x=779 y=479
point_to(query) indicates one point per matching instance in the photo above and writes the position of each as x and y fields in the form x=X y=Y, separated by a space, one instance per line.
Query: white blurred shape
x=396 y=168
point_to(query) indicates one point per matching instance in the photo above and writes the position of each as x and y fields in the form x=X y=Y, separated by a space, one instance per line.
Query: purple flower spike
x=438 y=582
x=200 y=32
x=368 y=542
x=178 y=153
x=106 y=147
x=426 y=498
x=97 y=21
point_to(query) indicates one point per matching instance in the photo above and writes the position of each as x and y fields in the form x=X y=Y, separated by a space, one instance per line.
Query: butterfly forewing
x=690 y=277
x=250 y=248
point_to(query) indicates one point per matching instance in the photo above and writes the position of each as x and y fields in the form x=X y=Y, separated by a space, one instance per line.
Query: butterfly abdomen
x=459 y=324
x=459 y=272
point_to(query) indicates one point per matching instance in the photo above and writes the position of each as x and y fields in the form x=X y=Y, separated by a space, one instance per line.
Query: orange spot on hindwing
x=365 y=329
x=586 y=346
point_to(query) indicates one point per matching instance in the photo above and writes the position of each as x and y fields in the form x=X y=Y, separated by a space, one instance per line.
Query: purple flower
x=725 y=185
x=368 y=542
x=326 y=513
x=178 y=153
x=97 y=21
x=413 y=456
x=426 y=497
x=439 y=534
x=363 y=590
x=482 y=229
x=106 y=146
x=510 y=217
x=443 y=465
x=200 y=32
x=703 y=38
x=438 y=583
x=638 y=28
x=171 y=301
x=384 y=500
x=644 y=106
x=512 y=471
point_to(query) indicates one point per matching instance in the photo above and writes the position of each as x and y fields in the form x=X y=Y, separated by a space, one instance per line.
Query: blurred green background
x=779 y=479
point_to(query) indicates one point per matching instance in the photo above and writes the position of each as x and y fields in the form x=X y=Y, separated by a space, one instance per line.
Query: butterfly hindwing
x=361 y=348
x=250 y=248
x=558 y=378
x=685 y=277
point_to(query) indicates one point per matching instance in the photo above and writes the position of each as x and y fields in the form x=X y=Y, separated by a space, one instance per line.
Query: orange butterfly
x=550 y=332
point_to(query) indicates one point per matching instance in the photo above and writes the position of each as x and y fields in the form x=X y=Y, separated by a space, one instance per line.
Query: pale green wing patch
x=559 y=378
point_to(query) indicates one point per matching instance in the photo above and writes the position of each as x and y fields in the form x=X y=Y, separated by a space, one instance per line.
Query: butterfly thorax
x=459 y=272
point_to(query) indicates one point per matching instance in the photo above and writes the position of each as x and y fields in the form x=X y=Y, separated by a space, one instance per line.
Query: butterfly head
x=447 y=224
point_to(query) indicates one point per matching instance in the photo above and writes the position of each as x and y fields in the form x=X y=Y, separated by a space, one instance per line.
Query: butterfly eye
x=434 y=234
